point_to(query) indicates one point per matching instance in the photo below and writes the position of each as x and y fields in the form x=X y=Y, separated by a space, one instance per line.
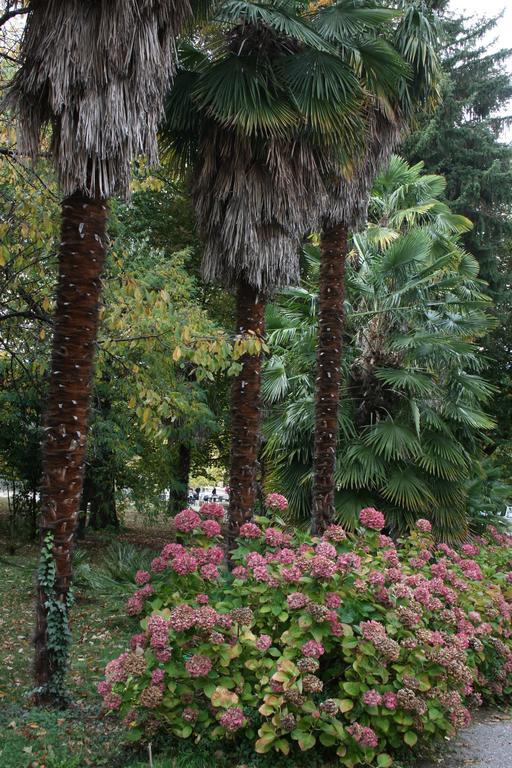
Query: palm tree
x=411 y=423
x=246 y=120
x=395 y=92
x=95 y=74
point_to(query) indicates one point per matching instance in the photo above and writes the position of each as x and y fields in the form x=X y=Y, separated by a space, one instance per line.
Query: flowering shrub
x=349 y=643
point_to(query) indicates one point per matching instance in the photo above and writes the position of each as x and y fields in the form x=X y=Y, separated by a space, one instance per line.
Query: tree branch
x=8 y=15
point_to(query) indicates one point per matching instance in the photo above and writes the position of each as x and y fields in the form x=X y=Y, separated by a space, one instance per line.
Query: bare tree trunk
x=81 y=259
x=178 y=494
x=102 y=497
x=245 y=413
x=328 y=374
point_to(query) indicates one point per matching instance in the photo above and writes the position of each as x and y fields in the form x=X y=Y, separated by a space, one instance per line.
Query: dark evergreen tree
x=464 y=140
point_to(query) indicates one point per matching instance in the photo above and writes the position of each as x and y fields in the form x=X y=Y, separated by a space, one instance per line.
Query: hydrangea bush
x=352 y=644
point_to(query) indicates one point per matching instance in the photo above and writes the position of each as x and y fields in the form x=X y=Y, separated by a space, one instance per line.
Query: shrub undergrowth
x=355 y=645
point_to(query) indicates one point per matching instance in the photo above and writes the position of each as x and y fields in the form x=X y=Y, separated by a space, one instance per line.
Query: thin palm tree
x=95 y=75
x=395 y=92
x=245 y=120
x=412 y=418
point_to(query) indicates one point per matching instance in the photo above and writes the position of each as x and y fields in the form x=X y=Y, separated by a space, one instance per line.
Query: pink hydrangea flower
x=213 y=509
x=202 y=599
x=313 y=649
x=286 y=556
x=158 y=629
x=292 y=574
x=364 y=735
x=372 y=518
x=260 y=573
x=332 y=600
x=215 y=555
x=112 y=701
x=372 y=630
x=233 y=719
x=322 y=567
x=372 y=698
x=183 y=617
x=210 y=572
x=198 y=666
x=142 y=577
x=157 y=676
x=391 y=557
x=163 y=655
x=334 y=533
x=470 y=549
x=184 y=564
x=114 y=671
x=276 y=501
x=250 y=531
x=134 y=605
x=206 y=617
x=254 y=558
x=138 y=641
x=389 y=700
x=424 y=526
x=211 y=528
x=326 y=549
x=158 y=564
x=190 y=715
x=186 y=520
x=376 y=578
x=471 y=570
x=103 y=688
x=263 y=642
x=276 y=538
x=348 y=561
x=296 y=600
x=239 y=572
x=173 y=550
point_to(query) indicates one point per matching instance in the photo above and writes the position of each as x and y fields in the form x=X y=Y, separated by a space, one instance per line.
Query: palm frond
x=392 y=440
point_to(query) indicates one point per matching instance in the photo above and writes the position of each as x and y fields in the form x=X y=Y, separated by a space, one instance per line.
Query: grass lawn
x=78 y=736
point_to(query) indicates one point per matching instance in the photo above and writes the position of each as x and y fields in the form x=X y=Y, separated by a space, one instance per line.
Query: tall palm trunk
x=328 y=373
x=81 y=259
x=245 y=412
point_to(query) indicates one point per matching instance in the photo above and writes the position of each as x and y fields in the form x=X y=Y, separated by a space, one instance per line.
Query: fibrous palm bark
x=347 y=210
x=254 y=200
x=328 y=373
x=82 y=254
x=95 y=73
x=245 y=412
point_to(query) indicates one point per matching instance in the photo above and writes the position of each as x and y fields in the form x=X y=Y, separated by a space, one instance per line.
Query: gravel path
x=487 y=743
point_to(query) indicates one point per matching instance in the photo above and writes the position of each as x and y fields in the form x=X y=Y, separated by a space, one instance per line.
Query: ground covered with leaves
x=78 y=736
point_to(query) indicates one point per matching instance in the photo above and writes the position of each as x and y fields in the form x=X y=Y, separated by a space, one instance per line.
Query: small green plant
x=119 y=565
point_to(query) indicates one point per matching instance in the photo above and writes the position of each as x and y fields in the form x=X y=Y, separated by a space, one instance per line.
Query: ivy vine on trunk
x=81 y=259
